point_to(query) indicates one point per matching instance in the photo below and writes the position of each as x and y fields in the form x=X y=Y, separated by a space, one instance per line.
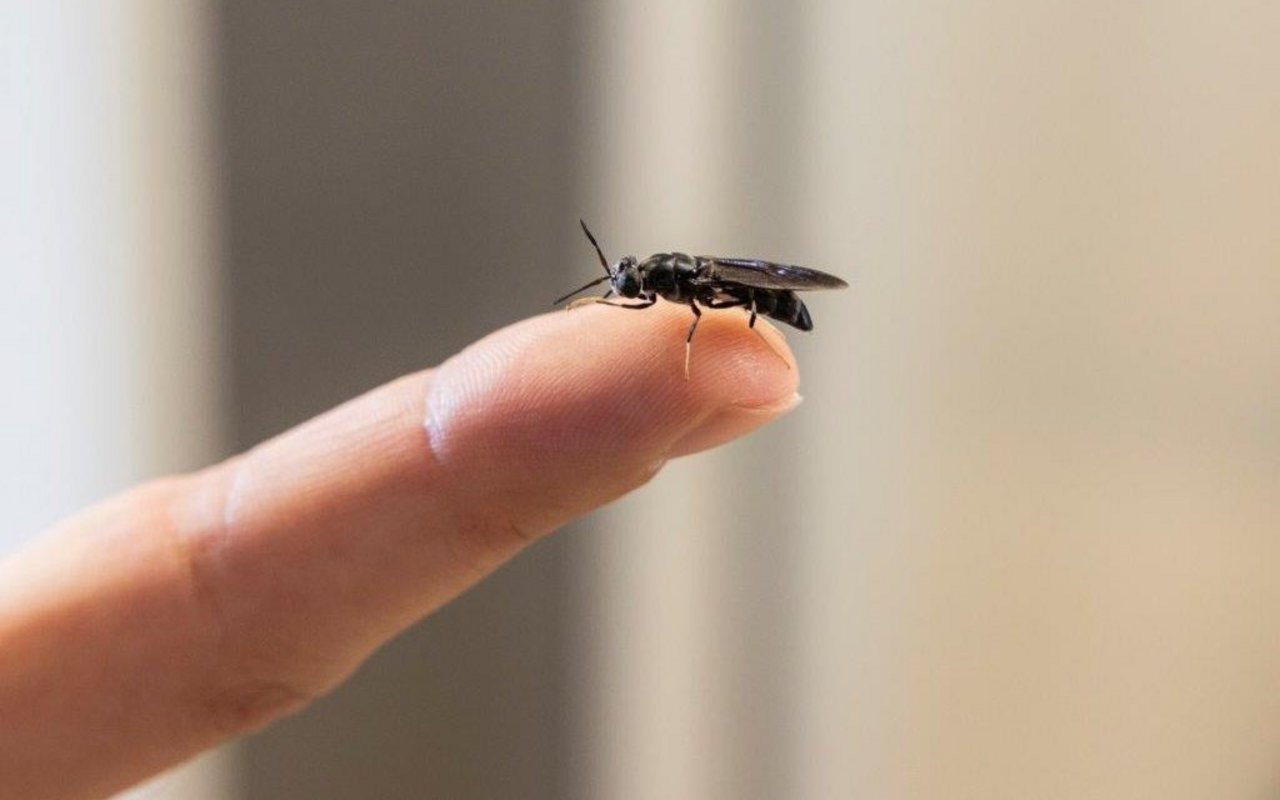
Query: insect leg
x=688 y=339
x=751 y=307
x=645 y=304
x=604 y=302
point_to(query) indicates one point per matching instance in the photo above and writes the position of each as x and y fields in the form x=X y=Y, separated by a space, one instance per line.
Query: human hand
x=197 y=608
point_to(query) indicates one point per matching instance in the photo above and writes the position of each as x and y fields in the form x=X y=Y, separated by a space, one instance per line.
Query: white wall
x=109 y=309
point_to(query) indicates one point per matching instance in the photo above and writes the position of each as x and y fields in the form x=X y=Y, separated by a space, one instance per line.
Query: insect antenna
x=596 y=282
x=604 y=262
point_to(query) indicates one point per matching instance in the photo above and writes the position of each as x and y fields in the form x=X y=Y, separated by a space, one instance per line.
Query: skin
x=197 y=608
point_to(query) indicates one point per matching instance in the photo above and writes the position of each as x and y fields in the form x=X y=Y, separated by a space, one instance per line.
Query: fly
x=757 y=287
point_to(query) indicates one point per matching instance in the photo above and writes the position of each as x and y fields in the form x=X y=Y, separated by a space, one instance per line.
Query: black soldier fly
x=757 y=287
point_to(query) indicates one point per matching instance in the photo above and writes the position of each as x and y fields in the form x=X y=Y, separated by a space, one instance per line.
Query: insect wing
x=765 y=274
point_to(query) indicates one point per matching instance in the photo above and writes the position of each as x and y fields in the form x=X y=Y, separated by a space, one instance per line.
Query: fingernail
x=729 y=423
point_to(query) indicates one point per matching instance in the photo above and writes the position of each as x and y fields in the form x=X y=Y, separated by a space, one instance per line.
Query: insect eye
x=630 y=284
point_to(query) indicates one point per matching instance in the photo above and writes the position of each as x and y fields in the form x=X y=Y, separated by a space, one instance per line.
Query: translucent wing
x=764 y=274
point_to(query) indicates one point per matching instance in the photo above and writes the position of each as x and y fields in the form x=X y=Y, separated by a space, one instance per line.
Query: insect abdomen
x=784 y=306
x=791 y=310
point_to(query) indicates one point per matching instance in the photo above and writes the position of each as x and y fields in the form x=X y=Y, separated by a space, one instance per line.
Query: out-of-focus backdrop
x=1021 y=539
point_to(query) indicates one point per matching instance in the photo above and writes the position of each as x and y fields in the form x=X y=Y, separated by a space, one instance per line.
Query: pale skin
x=196 y=608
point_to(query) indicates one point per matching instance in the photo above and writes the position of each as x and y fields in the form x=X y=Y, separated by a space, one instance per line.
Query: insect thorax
x=668 y=274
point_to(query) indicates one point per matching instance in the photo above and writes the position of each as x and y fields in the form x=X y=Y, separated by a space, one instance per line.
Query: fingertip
x=730 y=423
x=568 y=410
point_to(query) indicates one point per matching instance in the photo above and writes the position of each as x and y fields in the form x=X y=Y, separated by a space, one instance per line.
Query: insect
x=757 y=287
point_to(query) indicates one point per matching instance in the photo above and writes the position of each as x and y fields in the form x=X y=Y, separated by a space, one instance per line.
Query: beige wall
x=1029 y=510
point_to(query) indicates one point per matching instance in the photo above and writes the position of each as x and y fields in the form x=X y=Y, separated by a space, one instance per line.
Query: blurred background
x=1022 y=538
